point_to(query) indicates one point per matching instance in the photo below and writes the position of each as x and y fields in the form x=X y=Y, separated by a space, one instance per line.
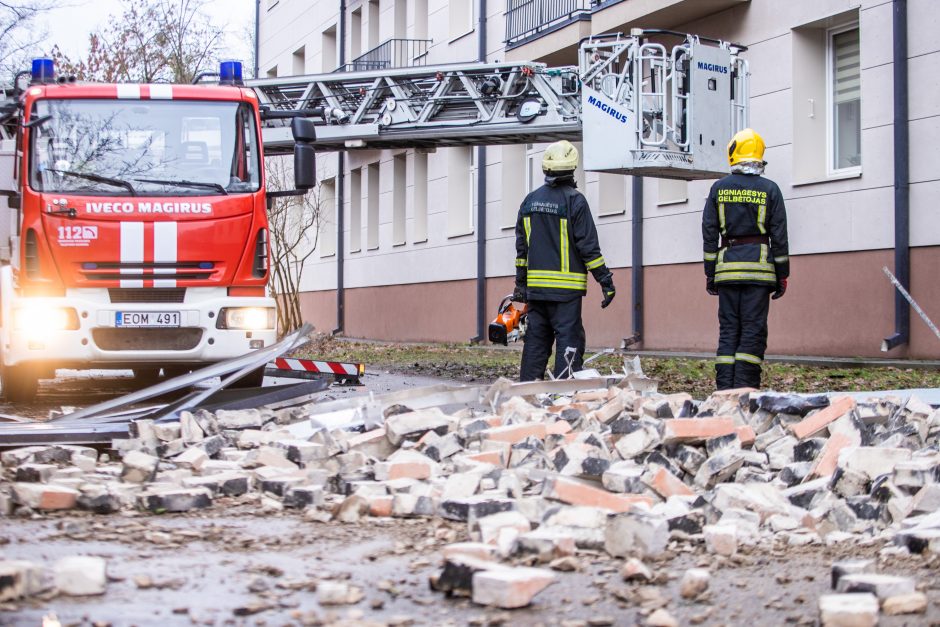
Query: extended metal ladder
x=446 y=105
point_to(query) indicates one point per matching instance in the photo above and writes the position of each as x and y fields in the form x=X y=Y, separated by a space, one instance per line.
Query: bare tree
x=294 y=224
x=20 y=36
x=151 y=41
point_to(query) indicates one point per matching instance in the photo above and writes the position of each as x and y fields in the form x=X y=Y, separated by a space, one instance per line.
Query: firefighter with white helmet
x=556 y=246
x=744 y=232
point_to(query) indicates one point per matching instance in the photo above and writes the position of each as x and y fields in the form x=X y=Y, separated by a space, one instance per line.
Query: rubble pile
x=618 y=468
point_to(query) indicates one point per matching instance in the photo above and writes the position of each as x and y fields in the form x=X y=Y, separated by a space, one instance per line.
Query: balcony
x=530 y=19
x=550 y=30
x=390 y=54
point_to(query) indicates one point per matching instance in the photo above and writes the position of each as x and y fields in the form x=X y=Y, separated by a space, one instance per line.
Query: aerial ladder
x=641 y=106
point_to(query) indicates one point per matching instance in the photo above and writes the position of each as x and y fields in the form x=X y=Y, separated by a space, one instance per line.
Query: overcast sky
x=70 y=26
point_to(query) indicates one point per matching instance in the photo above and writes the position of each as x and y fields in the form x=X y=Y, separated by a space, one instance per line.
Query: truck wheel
x=147 y=376
x=19 y=383
x=254 y=379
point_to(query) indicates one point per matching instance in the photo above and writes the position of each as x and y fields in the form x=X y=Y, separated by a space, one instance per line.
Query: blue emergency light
x=43 y=70
x=230 y=73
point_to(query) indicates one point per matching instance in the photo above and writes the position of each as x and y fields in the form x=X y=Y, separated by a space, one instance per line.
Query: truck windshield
x=145 y=147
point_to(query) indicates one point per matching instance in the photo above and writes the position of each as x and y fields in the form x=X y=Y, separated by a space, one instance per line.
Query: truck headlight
x=246 y=318
x=38 y=319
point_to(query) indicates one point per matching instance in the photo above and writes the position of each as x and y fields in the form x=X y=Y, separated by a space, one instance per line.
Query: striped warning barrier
x=304 y=368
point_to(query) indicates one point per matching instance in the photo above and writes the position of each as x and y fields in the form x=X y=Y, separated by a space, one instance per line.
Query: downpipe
x=636 y=270
x=341 y=200
x=902 y=206
x=481 y=200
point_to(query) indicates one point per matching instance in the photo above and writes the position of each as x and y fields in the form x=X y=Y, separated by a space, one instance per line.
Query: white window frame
x=831 y=170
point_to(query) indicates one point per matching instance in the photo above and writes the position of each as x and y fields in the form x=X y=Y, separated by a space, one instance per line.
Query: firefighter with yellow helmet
x=744 y=231
x=556 y=246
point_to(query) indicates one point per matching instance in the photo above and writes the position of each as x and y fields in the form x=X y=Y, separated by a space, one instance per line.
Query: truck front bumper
x=101 y=342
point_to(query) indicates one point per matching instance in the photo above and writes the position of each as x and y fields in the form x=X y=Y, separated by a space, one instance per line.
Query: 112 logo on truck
x=77 y=235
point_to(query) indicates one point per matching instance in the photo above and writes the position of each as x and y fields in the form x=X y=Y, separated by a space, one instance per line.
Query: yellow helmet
x=559 y=157
x=746 y=145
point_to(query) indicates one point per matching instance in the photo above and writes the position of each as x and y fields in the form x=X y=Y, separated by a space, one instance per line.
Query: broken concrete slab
x=511 y=588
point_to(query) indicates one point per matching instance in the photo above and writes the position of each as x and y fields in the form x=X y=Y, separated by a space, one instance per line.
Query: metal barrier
x=391 y=53
x=527 y=18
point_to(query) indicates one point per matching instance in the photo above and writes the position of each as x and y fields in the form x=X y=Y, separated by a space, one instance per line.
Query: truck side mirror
x=303 y=130
x=305 y=166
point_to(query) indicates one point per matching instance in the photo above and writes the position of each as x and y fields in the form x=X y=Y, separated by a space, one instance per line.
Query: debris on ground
x=543 y=475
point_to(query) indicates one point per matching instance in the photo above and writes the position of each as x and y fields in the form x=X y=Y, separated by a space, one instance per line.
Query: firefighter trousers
x=742 y=335
x=558 y=323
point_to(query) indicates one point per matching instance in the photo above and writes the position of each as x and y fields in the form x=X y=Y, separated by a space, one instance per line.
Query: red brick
x=380 y=506
x=577 y=493
x=746 y=435
x=735 y=394
x=666 y=484
x=558 y=428
x=386 y=471
x=590 y=396
x=515 y=433
x=53 y=498
x=487 y=457
x=814 y=423
x=696 y=429
x=828 y=457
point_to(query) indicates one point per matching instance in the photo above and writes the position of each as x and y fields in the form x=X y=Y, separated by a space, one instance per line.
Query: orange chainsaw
x=510 y=323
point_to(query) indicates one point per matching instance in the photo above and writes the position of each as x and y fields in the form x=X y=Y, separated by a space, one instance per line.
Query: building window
x=513 y=186
x=461 y=17
x=672 y=192
x=327 y=207
x=846 y=97
x=355 y=210
x=533 y=167
x=372 y=202
x=461 y=172
x=373 y=17
x=355 y=33
x=420 y=19
x=419 y=232
x=272 y=73
x=399 y=189
x=611 y=194
x=328 y=50
x=299 y=61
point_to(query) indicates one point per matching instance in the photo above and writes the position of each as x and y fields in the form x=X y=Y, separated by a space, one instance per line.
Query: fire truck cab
x=138 y=228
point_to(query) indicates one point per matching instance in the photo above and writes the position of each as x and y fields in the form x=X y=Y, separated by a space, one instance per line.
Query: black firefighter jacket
x=556 y=243
x=751 y=207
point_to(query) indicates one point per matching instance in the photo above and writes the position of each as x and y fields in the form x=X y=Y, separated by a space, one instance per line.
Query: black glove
x=518 y=294
x=607 y=287
x=781 y=289
x=710 y=286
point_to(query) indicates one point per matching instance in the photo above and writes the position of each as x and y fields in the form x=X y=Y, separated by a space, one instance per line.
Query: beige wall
x=832 y=308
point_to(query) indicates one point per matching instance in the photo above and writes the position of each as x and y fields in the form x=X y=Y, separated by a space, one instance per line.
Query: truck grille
x=147 y=271
x=111 y=339
x=147 y=295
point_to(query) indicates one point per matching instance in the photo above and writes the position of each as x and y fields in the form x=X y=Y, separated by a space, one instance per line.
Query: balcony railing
x=526 y=19
x=389 y=54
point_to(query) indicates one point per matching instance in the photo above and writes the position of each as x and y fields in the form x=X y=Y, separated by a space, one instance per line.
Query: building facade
x=822 y=95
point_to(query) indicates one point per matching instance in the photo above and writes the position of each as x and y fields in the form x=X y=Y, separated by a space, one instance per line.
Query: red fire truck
x=138 y=232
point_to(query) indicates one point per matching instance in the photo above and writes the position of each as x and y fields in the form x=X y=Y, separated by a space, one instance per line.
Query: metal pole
x=341 y=198
x=481 y=200
x=910 y=299
x=637 y=269
x=257 y=37
x=902 y=206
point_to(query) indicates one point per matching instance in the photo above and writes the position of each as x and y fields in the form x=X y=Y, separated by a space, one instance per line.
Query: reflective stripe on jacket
x=745 y=205
x=556 y=242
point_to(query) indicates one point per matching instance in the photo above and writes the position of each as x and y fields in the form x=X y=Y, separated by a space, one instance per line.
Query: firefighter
x=556 y=245
x=748 y=264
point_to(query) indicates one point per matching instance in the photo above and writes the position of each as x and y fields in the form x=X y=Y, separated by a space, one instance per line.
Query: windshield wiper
x=97 y=178
x=216 y=186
